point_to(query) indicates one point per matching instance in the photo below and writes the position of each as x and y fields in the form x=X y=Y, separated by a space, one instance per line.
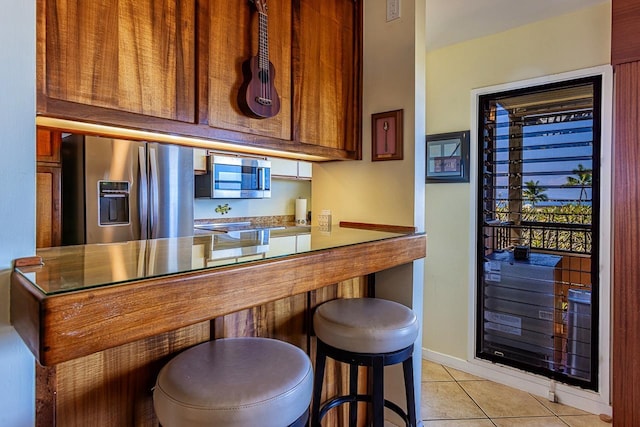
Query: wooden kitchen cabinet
x=175 y=68
x=625 y=20
x=327 y=74
x=48 y=146
x=48 y=219
x=127 y=56
x=48 y=189
x=233 y=38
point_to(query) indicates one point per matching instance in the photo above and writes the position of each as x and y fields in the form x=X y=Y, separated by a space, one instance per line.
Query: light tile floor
x=452 y=398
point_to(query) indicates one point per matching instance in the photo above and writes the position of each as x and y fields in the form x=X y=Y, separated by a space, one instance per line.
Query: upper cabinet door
x=133 y=56
x=234 y=34
x=327 y=58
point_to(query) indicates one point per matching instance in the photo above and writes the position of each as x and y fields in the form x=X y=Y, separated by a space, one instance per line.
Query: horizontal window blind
x=538 y=226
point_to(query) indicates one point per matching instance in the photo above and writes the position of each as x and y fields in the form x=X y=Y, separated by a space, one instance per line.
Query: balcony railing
x=542 y=236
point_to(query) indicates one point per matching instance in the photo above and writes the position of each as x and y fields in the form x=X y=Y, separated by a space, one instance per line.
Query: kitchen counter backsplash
x=262 y=221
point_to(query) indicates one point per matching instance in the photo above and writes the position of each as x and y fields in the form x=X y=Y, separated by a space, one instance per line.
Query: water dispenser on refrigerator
x=113 y=199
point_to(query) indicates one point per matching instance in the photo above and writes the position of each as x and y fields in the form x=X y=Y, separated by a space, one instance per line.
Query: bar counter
x=85 y=299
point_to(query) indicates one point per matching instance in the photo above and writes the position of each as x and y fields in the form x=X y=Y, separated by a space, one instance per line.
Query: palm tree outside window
x=584 y=181
x=534 y=192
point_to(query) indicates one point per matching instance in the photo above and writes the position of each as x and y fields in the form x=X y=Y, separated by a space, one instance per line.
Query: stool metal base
x=377 y=361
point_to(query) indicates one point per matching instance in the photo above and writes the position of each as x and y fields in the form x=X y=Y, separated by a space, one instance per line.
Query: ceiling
x=453 y=21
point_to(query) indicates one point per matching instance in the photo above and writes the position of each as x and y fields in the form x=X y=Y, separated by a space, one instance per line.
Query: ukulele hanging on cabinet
x=258 y=97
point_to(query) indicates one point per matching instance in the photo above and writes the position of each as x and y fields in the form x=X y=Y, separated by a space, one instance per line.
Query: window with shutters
x=538 y=219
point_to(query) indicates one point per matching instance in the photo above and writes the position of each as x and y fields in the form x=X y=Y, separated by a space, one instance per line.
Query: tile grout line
x=453 y=380
x=552 y=413
x=491 y=419
x=551 y=410
x=465 y=392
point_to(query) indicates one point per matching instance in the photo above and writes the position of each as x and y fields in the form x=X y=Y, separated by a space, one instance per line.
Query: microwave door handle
x=154 y=200
x=143 y=206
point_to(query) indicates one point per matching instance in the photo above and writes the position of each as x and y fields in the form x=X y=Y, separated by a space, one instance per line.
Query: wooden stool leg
x=407 y=367
x=353 y=391
x=378 y=392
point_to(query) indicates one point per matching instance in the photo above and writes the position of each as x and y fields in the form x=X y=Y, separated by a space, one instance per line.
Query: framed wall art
x=386 y=136
x=448 y=157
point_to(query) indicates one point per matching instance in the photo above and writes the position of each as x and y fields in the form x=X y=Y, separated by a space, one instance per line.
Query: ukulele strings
x=264 y=58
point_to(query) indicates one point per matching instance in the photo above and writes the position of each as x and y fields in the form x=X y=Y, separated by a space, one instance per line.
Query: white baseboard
x=585 y=400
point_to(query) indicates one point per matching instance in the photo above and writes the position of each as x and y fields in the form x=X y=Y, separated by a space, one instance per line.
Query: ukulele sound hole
x=263 y=75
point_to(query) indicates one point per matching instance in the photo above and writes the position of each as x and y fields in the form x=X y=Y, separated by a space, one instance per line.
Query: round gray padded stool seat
x=235 y=382
x=365 y=325
x=365 y=332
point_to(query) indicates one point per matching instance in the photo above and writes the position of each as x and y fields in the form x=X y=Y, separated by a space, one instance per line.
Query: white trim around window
x=594 y=402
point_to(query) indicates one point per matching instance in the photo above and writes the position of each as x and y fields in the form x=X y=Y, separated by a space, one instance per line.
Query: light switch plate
x=393 y=10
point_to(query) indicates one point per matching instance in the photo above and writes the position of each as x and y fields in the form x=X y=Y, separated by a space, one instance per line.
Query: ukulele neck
x=263 y=43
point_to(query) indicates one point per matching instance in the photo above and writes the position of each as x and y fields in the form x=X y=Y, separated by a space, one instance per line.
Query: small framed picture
x=448 y=157
x=386 y=136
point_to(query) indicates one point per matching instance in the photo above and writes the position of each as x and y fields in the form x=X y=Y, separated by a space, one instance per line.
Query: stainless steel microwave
x=230 y=177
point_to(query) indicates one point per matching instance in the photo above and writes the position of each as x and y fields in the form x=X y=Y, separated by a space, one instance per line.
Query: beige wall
x=382 y=192
x=564 y=43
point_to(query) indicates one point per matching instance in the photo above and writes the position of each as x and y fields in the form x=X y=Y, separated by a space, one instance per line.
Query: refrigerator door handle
x=143 y=206
x=154 y=199
x=261 y=179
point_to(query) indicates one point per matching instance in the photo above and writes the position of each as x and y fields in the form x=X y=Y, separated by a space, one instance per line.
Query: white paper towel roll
x=301 y=211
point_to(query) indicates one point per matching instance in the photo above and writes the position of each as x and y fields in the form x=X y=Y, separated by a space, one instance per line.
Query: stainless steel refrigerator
x=115 y=190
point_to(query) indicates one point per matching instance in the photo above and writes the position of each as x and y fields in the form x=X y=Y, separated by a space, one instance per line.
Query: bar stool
x=365 y=332
x=235 y=382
